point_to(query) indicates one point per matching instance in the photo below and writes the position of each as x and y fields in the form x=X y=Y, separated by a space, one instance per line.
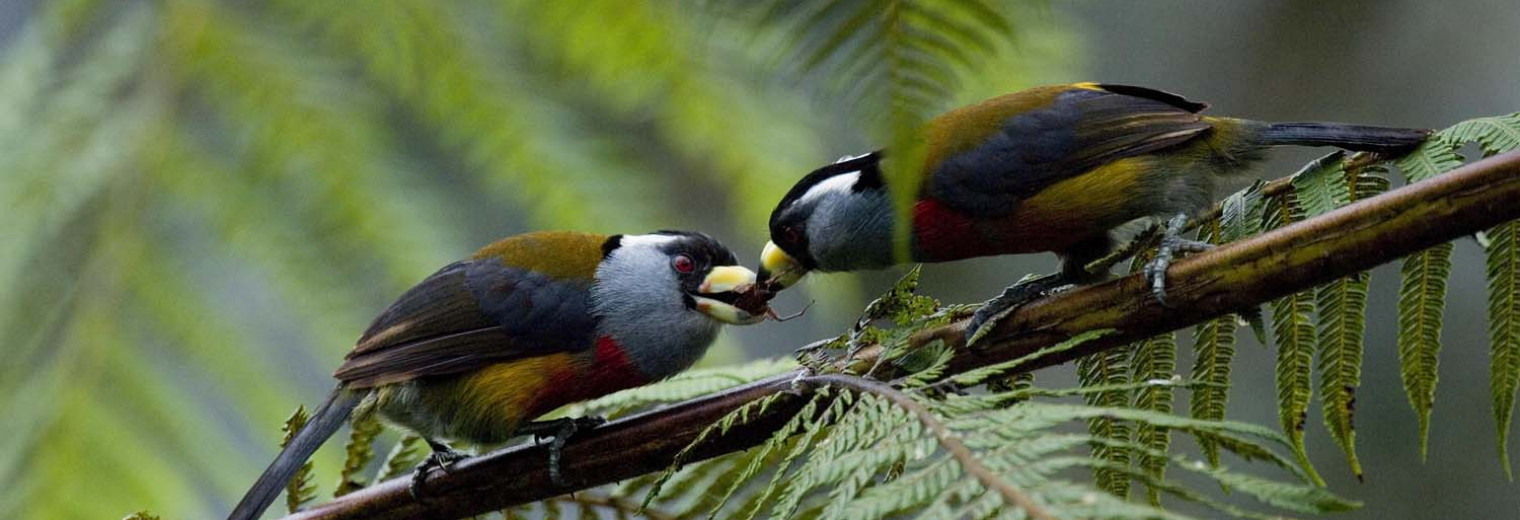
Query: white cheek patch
x=840 y=184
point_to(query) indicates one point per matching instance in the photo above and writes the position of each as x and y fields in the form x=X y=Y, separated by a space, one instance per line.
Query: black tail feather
x=324 y=422
x=1350 y=137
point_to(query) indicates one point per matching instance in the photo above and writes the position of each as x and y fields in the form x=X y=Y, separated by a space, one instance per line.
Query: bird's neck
x=942 y=234
x=649 y=324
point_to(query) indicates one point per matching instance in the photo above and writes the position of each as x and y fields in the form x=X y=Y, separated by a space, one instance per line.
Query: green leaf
x=1214 y=343
x=1293 y=331
x=1504 y=328
x=898 y=62
x=1110 y=367
x=1321 y=186
x=1422 y=300
x=1496 y=134
x=1432 y=158
x=1422 y=294
x=1341 y=307
x=405 y=455
x=980 y=375
x=359 y=451
x=1241 y=213
x=1154 y=359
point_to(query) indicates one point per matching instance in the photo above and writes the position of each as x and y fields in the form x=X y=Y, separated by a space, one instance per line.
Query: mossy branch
x=1238 y=275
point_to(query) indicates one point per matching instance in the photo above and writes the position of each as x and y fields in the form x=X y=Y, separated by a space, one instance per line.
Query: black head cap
x=788 y=222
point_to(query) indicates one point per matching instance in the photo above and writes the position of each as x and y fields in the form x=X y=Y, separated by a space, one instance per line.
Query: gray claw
x=560 y=430
x=1171 y=244
x=442 y=458
x=1012 y=298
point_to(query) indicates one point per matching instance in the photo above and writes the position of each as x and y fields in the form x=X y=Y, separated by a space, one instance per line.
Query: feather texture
x=985 y=158
x=521 y=296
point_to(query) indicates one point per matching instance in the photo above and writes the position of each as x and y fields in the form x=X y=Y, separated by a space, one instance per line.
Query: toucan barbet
x=528 y=324
x=1054 y=168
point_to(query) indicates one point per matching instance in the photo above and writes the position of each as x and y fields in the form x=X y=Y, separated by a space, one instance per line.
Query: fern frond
x=1154 y=359
x=1341 y=307
x=1422 y=301
x=1020 y=395
x=981 y=375
x=1321 y=186
x=1432 y=158
x=1110 y=367
x=683 y=386
x=874 y=451
x=1422 y=294
x=1293 y=331
x=739 y=415
x=1214 y=340
x=286 y=96
x=1496 y=134
x=906 y=54
x=359 y=451
x=1243 y=213
x=301 y=489
x=760 y=456
x=1504 y=328
x=405 y=455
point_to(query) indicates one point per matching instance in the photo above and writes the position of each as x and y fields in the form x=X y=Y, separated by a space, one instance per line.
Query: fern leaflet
x=1214 y=345
x=1504 y=328
x=1293 y=332
x=300 y=490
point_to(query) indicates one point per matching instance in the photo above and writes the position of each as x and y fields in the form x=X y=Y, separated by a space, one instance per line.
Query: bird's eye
x=683 y=264
x=792 y=235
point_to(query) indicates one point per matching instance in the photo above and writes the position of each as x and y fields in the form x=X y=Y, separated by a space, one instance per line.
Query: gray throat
x=640 y=305
x=859 y=229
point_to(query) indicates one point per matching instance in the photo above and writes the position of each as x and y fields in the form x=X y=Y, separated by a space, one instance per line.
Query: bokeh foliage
x=205 y=201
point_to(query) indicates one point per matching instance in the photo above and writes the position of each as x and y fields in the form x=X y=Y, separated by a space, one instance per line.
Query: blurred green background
x=205 y=201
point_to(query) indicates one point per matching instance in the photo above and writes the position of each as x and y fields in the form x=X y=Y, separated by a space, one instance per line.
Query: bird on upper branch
x=1055 y=168
x=528 y=324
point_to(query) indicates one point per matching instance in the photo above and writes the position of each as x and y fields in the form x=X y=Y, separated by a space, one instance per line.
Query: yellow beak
x=780 y=267
x=725 y=280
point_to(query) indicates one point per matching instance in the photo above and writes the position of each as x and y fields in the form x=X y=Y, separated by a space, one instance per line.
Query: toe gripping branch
x=1172 y=243
x=560 y=430
x=442 y=458
x=1012 y=298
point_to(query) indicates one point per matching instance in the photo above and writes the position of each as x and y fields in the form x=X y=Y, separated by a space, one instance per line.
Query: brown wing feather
x=1059 y=134
x=433 y=356
x=521 y=296
x=439 y=305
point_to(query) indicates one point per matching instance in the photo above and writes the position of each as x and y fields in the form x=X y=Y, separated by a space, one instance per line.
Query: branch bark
x=1229 y=278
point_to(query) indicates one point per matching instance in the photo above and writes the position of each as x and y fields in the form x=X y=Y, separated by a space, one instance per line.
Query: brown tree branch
x=1235 y=276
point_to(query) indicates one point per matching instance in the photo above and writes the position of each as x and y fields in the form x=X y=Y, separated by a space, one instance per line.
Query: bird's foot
x=1012 y=298
x=443 y=457
x=1172 y=243
x=560 y=430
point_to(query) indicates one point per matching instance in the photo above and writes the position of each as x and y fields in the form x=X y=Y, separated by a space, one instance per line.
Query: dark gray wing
x=469 y=314
x=1080 y=129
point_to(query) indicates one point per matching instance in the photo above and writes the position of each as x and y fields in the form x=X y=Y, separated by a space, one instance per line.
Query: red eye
x=793 y=235
x=683 y=264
